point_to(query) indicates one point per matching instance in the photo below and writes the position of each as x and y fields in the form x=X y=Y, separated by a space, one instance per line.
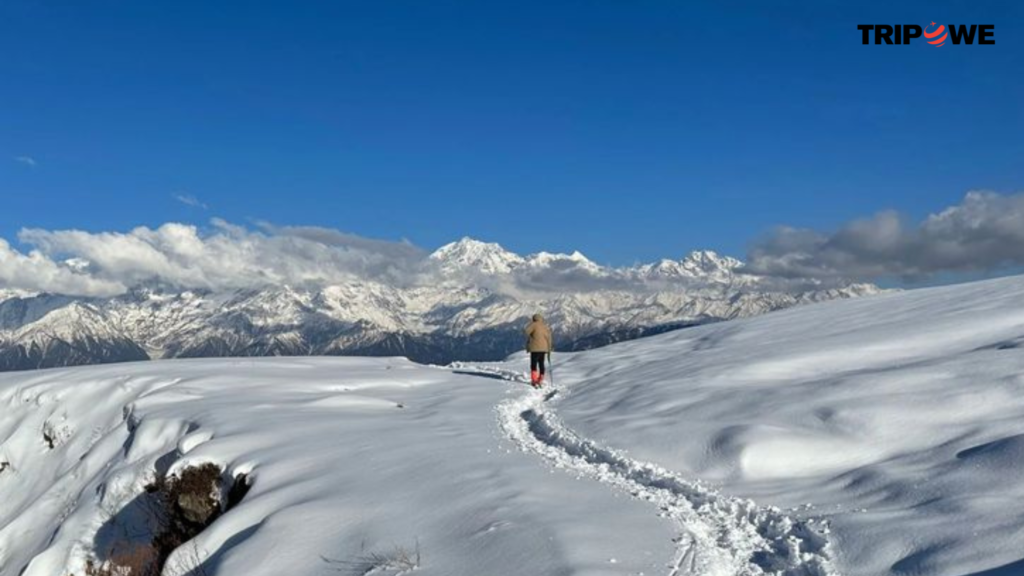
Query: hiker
x=539 y=344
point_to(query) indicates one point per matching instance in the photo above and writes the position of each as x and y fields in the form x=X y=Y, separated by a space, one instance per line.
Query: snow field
x=880 y=436
x=898 y=418
x=340 y=473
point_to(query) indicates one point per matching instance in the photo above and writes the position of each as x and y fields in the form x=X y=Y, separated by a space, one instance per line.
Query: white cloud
x=26 y=160
x=190 y=200
x=38 y=273
x=229 y=256
x=985 y=232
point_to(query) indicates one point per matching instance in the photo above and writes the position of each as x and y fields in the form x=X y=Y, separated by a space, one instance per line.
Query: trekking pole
x=551 y=369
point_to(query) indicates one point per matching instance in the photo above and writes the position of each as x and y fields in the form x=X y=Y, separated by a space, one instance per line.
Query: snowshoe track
x=719 y=535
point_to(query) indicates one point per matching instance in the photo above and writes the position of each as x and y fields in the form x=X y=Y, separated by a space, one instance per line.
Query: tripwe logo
x=934 y=34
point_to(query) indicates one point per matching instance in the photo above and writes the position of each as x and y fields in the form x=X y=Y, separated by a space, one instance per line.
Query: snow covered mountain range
x=473 y=307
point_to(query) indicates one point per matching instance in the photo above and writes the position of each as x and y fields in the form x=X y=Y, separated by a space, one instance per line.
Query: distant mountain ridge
x=474 y=309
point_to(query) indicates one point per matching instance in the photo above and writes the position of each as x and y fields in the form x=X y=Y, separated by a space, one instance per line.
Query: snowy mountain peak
x=699 y=264
x=70 y=322
x=551 y=260
x=470 y=254
x=9 y=293
x=491 y=258
x=709 y=261
x=79 y=265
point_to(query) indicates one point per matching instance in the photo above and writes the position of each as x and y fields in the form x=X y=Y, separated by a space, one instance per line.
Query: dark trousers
x=537 y=361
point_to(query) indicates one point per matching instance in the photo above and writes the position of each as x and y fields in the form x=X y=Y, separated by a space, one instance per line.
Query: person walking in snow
x=539 y=343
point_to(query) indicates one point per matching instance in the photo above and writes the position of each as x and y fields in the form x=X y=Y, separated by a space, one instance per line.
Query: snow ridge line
x=719 y=535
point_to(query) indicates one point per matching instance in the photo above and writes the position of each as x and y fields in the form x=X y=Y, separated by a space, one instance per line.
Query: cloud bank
x=37 y=272
x=227 y=257
x=985 y=232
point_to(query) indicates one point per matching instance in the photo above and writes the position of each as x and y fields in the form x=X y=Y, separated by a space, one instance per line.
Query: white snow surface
x=340 y=471
x=873 y=436
x=899 y=418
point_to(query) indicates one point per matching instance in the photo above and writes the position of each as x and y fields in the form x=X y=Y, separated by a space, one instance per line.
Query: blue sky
x=627 y=130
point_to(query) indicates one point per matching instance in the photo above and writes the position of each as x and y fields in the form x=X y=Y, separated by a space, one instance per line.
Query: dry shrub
x=399 y=560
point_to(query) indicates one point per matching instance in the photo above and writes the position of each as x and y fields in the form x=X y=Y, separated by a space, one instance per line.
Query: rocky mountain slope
x=472 y=308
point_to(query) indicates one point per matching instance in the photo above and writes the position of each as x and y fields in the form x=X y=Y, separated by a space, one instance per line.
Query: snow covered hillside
x=347 y=459
x=469 y=301
x=877 y=436
x=900 y=418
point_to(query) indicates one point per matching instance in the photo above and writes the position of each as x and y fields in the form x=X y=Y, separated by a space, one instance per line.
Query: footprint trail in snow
x=719 y=535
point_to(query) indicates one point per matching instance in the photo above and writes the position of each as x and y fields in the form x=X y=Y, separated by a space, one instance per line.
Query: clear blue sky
x=628 y=130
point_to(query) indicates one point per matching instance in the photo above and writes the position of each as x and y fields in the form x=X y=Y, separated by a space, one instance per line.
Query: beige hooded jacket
x=538 y=336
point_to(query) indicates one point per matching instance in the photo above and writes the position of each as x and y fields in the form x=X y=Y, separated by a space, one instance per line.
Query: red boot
x=535 y=378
